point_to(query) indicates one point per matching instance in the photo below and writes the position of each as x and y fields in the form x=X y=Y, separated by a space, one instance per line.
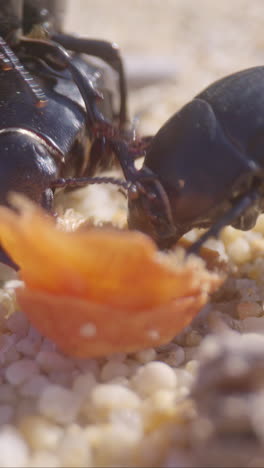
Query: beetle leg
x=56 y=55
x=107 y=51
x=238 y=208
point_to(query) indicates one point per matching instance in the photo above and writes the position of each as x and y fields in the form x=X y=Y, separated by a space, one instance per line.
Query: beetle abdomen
x=238 y=103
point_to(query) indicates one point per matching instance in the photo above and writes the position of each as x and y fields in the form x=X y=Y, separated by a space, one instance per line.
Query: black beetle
x=46 y=132
x=57 y=111
x=204 y=168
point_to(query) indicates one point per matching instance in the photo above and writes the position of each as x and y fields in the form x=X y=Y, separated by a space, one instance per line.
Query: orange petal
x=116 y=282
x=84 y=329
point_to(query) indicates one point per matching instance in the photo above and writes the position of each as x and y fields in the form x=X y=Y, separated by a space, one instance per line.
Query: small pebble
x=34 y=386
x=248 y=309
x=34 y=336
x=133 y=366
x=18 y=323
x=128 y=417
x=116 y=445
x=27 y=347
x=113 y=369
x=229 y=234
x=6 y=414
x=40 y=433
x=74 y=450
x=21 y=371
x=11 y=355
x=192 y=367
x=13 y=450
x=217 y=322
x=26 y=407
x=59 y=404
x=7 y=393
x=63 y=378
x=88 y=365
x=3 y=314
x=175 y=357
x=193 y=338
x=154 y=376
x=108 y=397
x=184 y=377
x=83 y=384
x=7 y=343
x=259 y=227
x=50 y=361
x=119 y=381
x=252 y=324
x=239 y=250
x=146 y=355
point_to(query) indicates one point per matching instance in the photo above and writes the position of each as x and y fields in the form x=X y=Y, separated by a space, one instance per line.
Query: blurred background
x=173 y=48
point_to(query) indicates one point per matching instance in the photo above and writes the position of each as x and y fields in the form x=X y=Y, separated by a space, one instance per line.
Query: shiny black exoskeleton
x=205 y=166
x=55 y=108
x=57 y=111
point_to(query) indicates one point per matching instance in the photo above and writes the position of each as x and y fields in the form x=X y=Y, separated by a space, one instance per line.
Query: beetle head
x=149 y=210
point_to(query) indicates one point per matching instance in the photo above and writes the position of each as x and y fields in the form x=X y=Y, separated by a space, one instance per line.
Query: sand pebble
x=59 y=404
x=153 y=376
x=13 y=449
x=34 y=386
x=74 y=450
x=50 y=361
x=7 y=413
x=83 y=384
x=40 y=433
x=20 y=371
x=107 y=397
x=113 y=369
x=18 y=324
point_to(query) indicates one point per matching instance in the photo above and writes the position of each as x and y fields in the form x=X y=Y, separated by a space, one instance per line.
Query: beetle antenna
x=9 y=61
x=83 y=181
x=237 y=210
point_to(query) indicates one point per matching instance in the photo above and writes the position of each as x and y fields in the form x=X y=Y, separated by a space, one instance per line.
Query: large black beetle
x=205 y=166
x=57 y=110
x=51 y=123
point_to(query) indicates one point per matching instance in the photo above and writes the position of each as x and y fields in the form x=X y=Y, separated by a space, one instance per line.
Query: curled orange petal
x=101 y=291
